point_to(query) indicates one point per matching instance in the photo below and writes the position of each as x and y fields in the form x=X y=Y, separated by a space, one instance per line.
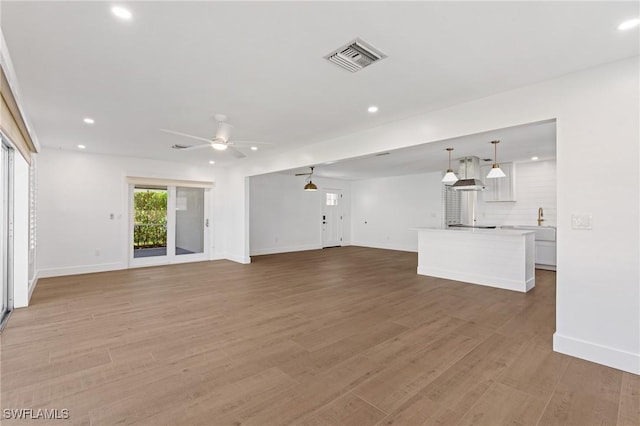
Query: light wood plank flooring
x=344 y=336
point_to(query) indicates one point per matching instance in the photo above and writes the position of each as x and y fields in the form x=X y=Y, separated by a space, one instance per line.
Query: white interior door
x=332 y=218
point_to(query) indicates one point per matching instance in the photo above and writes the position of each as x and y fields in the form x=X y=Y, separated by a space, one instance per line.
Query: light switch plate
x=581 y=221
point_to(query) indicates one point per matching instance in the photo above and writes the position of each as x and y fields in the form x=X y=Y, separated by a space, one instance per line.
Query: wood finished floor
x=344 y=336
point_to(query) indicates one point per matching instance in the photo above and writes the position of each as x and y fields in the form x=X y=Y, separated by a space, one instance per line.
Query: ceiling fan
x=310 y=186
x=220 y=142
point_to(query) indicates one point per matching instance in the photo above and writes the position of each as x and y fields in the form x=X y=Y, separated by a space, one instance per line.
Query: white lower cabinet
x=546 y=255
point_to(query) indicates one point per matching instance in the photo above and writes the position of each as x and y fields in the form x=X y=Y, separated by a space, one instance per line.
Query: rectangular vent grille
x=355 y=55
x=452 y=210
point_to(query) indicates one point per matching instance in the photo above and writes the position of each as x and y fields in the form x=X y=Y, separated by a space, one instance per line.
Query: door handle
x=206 y=223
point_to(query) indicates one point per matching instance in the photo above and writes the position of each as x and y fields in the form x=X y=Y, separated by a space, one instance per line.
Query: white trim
x=84 y=269
x=33 y=284
x=238 y=259
x=606 y=355
x=152 y=181
x=276 y=250
x=546 y=267
x=489 y=281
x=390 y=246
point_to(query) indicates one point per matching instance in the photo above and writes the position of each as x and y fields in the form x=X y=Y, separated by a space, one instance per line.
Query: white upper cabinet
x=499 y=189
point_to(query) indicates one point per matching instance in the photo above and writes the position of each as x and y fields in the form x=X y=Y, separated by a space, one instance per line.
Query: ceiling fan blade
x=173 y=132
x=191 y=148
x=224 y=131
x=249 y=143
x=235 y=152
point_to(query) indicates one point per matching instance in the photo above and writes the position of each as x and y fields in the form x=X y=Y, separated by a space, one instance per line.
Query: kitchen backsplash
x=535 y=187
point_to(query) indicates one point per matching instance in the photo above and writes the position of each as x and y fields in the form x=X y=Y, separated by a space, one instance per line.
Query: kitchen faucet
x=540 y=216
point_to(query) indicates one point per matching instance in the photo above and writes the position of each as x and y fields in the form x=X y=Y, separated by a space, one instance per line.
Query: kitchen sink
x=543 y=233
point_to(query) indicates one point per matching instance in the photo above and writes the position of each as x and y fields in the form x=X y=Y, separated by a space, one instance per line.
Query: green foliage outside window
x=150 y=220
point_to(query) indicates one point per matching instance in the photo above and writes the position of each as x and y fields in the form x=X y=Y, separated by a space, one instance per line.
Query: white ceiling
x=517 y=144
x=176 y=64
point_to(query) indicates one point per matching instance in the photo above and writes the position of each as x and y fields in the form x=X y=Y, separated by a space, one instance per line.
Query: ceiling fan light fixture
x=219 y=146
x=496 y=171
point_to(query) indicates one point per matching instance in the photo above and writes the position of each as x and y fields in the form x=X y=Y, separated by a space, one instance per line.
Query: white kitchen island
x=492 y=257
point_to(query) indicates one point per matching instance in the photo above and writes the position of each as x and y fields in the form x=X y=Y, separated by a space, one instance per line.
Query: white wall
x=535 y=186
x=598 y=278
x=384 y=209
x=286 y=218
x=77 y=193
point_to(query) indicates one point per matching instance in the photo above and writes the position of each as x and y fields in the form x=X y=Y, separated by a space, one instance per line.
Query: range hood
x=469 y=185
x=470 y=169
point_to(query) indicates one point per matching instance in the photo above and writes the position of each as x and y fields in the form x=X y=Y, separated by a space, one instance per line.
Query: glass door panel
x=149 y=222
x=190 y=222
x=6 y=208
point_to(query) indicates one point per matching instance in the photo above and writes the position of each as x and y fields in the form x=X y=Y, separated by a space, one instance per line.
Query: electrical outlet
x=581 y=221
x=111 y=216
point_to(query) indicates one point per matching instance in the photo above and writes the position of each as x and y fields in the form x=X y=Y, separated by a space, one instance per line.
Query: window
x=332 y=199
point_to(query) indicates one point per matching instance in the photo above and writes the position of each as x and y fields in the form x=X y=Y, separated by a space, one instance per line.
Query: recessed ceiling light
x=81 y=146
x=89 y=120
x=121 y=12
x=372 y=109
x=254 y=148
x=212 y=162
x=627 y=25
x=534 y=158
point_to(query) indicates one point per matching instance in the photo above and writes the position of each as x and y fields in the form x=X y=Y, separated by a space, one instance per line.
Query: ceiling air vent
x=355 y=55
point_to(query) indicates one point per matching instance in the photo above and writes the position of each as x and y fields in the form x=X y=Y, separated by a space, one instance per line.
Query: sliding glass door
x=190 y=221
x=149 y=222
x=169 y=224
x=5 y=231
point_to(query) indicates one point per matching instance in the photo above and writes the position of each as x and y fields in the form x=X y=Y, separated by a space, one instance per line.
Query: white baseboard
x=32 y=285
x=289 y=249
x=546 y=267
x=84 y=269
x=239 y=259
x=386 y=246
x=217 y=256
x=606 y=355
x=507 y=284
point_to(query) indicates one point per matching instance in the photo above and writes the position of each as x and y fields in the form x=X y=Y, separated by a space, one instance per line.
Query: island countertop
x=496 y=231
x=502 y=258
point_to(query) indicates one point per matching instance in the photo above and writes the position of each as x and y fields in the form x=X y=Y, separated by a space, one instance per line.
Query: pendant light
x=496 y=171
x=450 y=177
x=310 y=186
